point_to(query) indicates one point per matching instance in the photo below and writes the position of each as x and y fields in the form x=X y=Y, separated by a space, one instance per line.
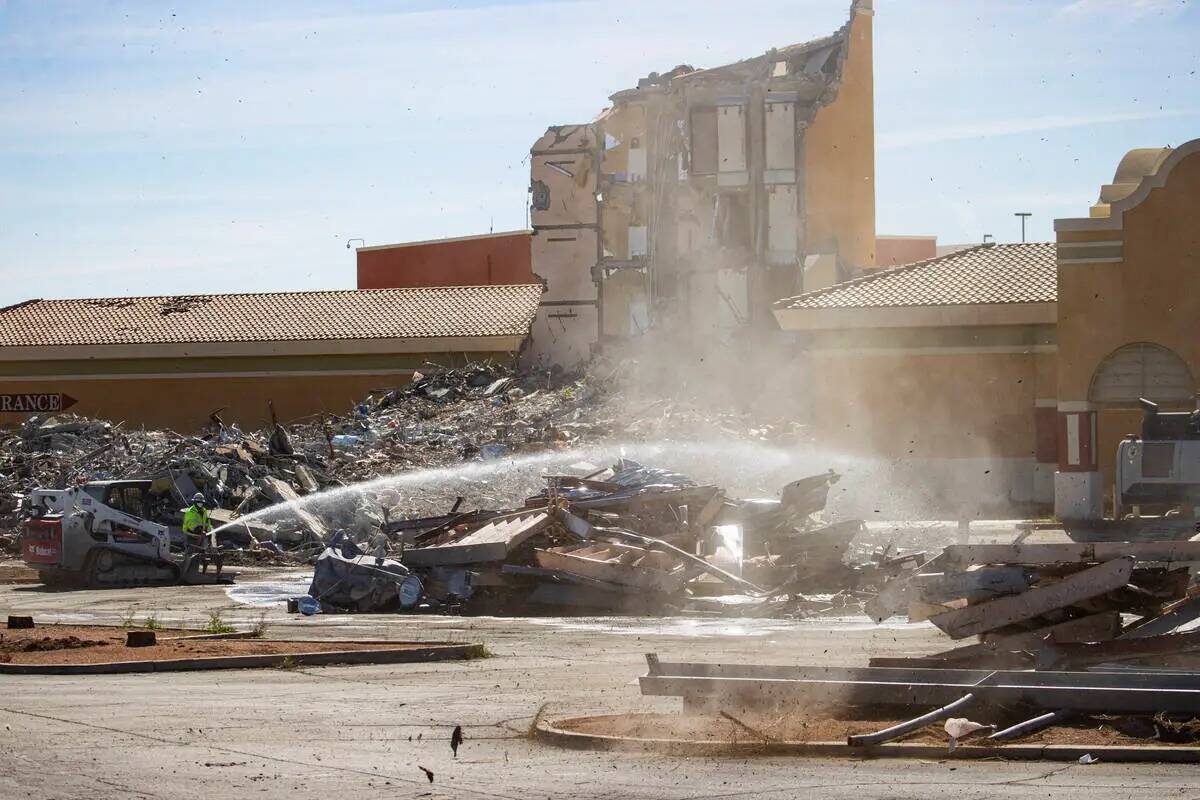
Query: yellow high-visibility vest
x=195 y=520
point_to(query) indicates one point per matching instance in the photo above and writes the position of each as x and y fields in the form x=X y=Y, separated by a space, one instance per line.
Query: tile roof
x=990 y=273
x=418 y=313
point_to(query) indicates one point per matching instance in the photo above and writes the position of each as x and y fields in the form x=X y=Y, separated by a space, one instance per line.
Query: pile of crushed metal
x=440 y=417
x=627 y=539
x=1069 y=634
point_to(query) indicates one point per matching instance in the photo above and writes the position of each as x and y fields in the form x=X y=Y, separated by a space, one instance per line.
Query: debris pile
x=1052 y=606
x=627 y=539
x=1089 y=636
x=443 y=417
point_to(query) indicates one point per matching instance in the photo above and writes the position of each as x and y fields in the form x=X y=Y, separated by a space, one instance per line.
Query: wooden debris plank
x=1003 y=611
x=489 y=542
x=1078 y=553
x=995 y=649
x=1092 y=628
x=646 y=578
x=1084 y=654
x=919 y=611
x=1173 y=616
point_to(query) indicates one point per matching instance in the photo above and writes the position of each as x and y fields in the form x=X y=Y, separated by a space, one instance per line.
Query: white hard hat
x=198 y=497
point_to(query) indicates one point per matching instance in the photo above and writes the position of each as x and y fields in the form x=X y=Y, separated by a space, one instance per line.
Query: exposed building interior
x=704 y=195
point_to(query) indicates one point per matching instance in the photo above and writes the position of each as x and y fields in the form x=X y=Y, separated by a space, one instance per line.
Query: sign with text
x=36 y=403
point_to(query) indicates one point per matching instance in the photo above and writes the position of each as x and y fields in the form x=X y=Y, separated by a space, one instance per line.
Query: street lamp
x=1024 y=215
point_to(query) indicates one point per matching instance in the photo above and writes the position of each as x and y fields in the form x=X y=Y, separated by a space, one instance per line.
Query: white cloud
x=985 y=129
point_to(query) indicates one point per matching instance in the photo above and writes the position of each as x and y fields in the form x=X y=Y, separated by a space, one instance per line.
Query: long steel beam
x=767 y=691
x=751 y=685
x=960 y=677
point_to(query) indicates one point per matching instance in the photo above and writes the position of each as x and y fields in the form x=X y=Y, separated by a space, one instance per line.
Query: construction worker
x=196 y=526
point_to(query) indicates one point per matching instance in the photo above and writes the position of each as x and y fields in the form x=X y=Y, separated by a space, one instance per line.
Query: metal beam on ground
x=773 y=691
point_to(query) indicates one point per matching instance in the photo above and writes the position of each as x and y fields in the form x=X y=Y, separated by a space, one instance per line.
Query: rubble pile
x=442 y=418
x=1089 y=636
x=1053 y=606
x=626 y=539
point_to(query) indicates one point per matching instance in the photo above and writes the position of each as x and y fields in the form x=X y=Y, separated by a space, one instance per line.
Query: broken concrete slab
x=491 y=541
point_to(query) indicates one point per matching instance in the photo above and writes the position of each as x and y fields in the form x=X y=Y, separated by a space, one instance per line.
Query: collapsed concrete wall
x=709 y=192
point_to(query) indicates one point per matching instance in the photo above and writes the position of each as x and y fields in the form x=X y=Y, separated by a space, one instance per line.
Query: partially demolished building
x=710 y=193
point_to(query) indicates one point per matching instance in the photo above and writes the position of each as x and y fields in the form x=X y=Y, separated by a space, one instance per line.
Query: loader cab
x=1158 y=472
x=128 y=496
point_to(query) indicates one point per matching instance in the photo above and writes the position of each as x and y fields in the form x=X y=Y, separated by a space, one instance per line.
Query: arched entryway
x=1140 y=369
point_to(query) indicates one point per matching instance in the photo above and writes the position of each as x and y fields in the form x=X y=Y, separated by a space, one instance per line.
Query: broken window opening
x=704 y=141
x=731 y=220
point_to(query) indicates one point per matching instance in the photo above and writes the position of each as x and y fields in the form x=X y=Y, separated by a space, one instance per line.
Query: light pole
x=1024 y=215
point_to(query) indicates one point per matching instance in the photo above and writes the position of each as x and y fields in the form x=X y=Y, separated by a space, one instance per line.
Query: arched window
x=1142 y=370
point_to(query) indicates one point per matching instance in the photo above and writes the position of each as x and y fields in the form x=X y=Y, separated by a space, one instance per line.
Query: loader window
x=134 y=501
x=113 y=499
x=128 y=499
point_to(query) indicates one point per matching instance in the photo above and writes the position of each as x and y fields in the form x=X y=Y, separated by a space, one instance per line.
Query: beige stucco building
x=173 y=361
x=1127 y=321
x=1004 y=375
x=943 y=369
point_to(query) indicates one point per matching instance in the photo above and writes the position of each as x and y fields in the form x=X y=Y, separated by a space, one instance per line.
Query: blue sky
x=232 y=146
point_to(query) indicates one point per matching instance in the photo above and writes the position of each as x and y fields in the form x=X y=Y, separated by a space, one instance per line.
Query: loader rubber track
x=107 y=568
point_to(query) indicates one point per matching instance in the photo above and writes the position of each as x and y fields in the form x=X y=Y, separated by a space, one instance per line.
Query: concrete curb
x=387 y=654
x=550 y=732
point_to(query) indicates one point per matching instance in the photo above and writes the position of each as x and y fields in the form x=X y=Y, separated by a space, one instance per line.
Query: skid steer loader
x=87 y=536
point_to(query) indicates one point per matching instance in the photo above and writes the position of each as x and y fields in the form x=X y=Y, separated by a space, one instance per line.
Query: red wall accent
x=1083 y=421
x=502 y=258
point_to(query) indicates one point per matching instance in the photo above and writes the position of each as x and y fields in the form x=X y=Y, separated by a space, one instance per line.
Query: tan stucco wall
x=937 y=405
x=839 y=160
x=116 y=392
x=1149 y=297
x=1146 y=297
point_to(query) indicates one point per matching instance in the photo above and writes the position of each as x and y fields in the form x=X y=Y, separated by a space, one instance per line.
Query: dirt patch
x=81 y=644
x=1090 y=731
x=49 y=643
